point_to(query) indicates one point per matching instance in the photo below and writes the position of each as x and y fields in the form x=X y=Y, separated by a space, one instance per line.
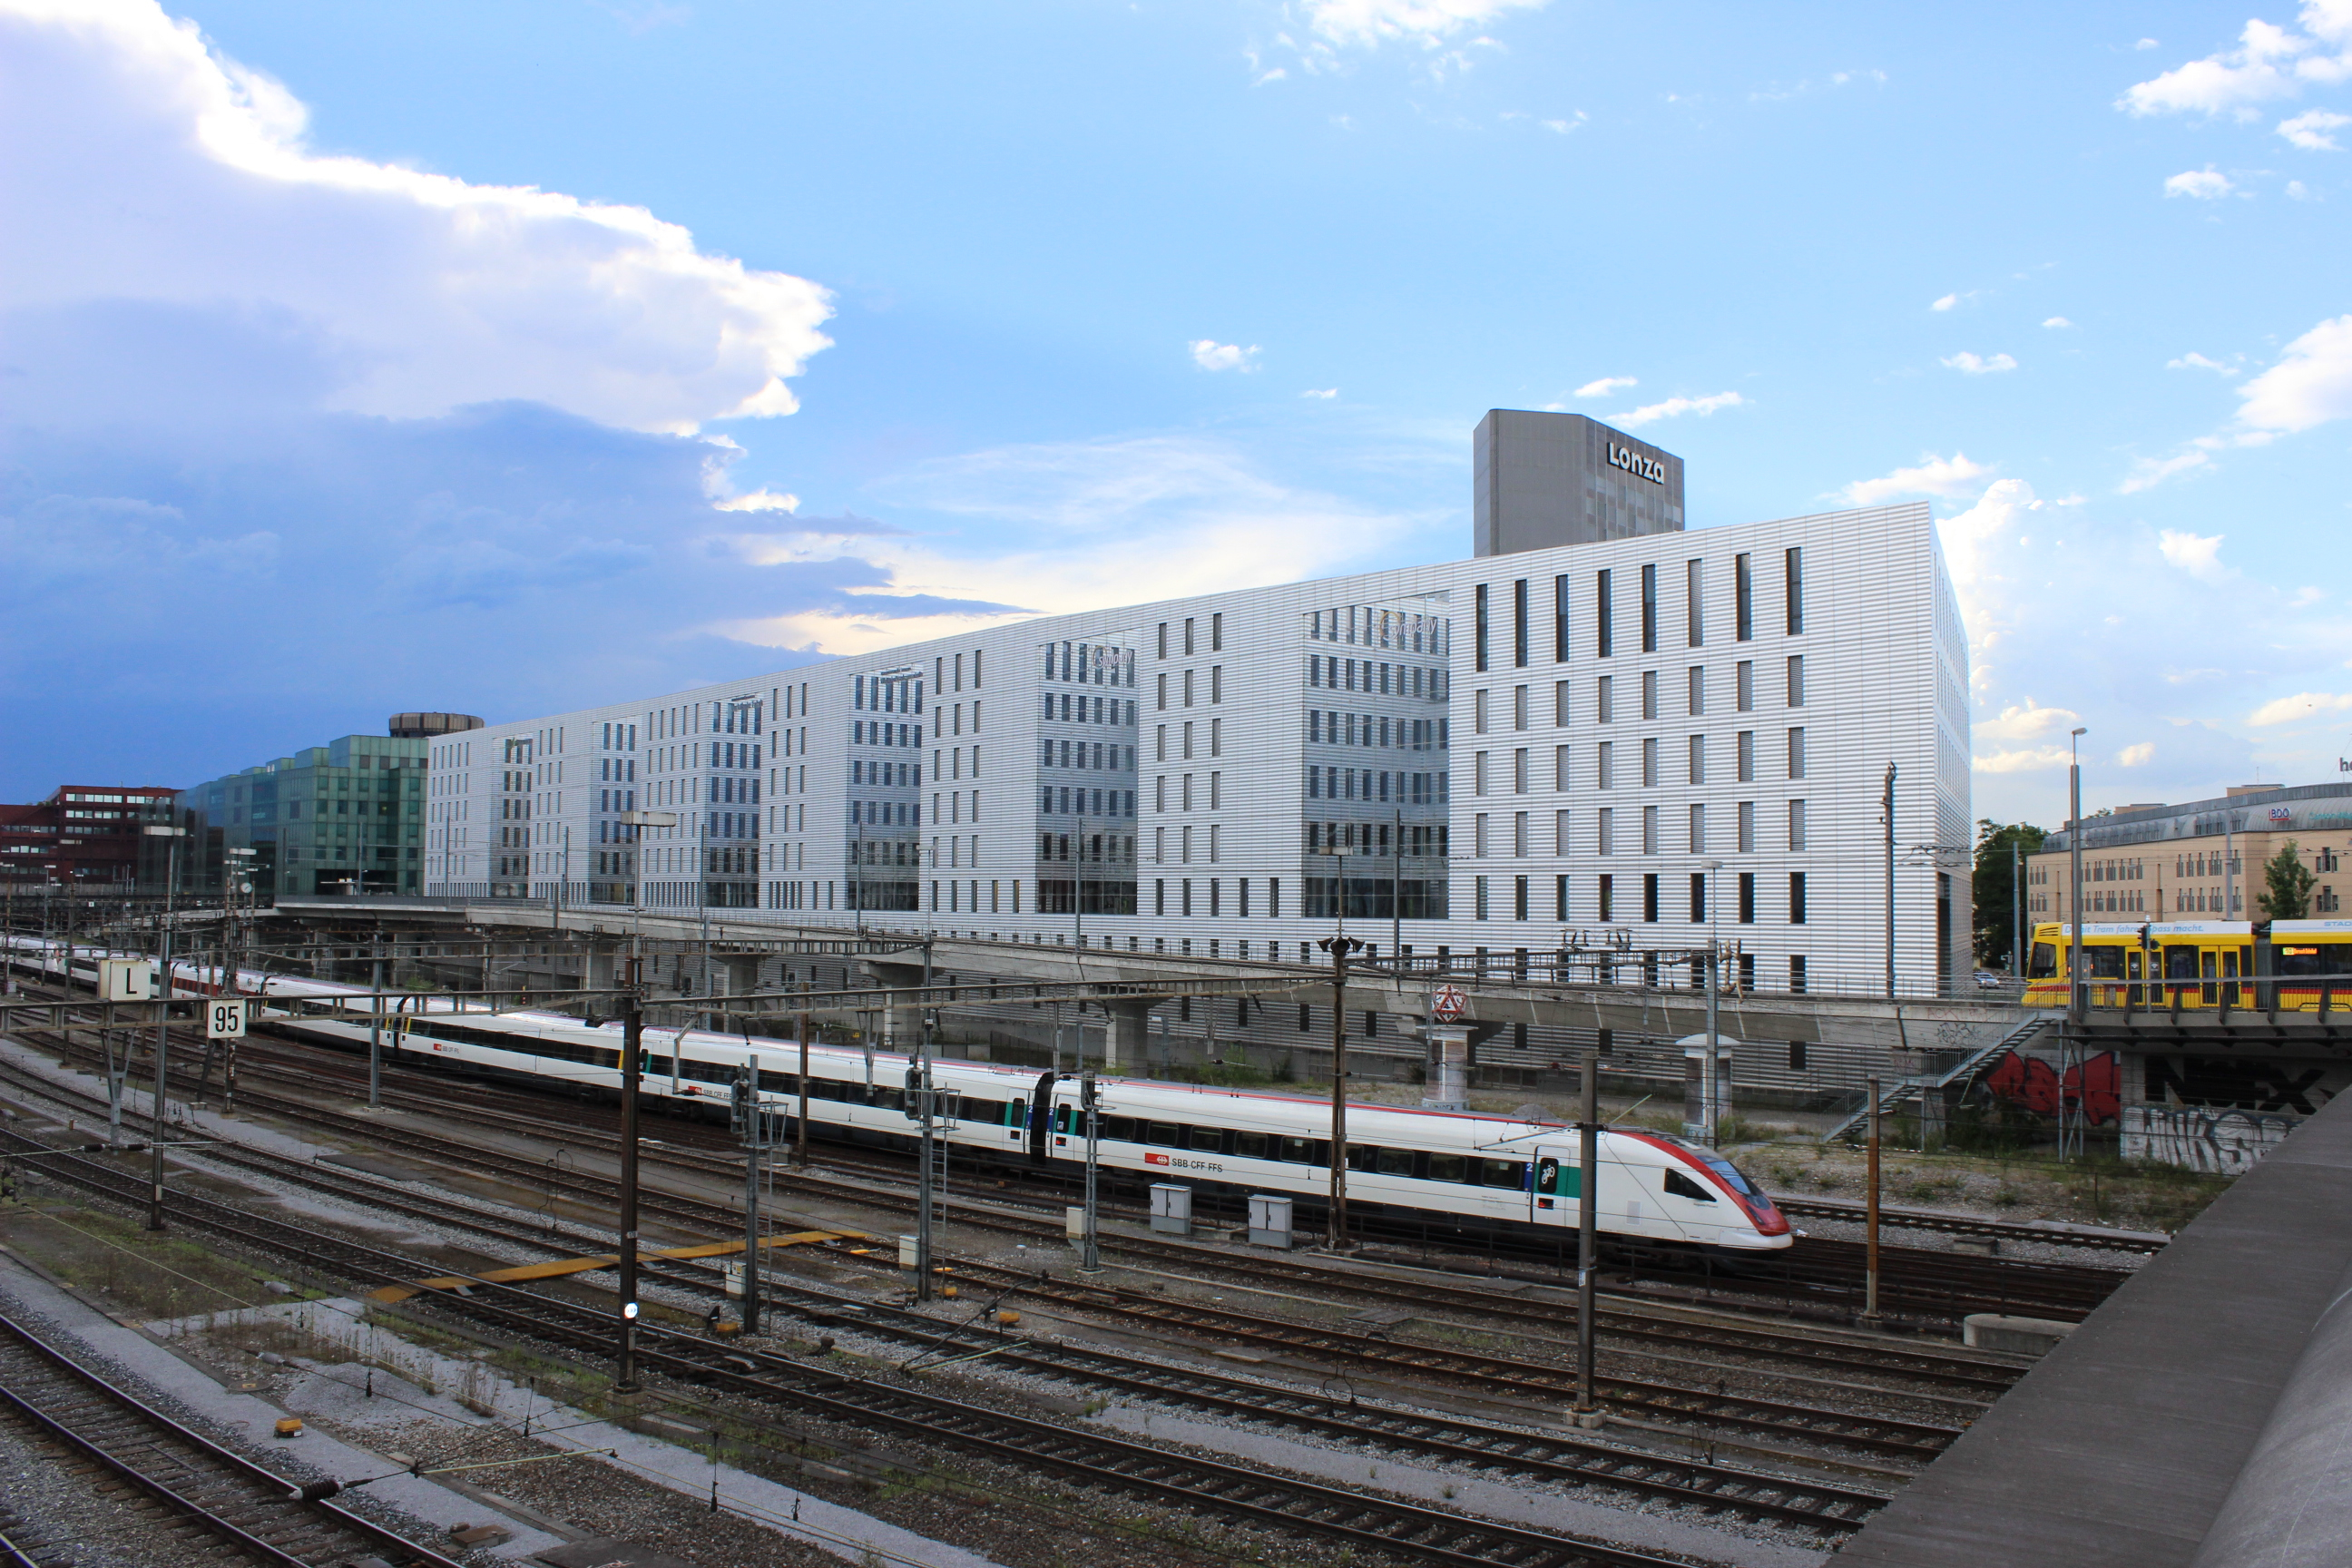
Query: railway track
x=112 y=1436
x=2099 y=1238
x=1225 y=1492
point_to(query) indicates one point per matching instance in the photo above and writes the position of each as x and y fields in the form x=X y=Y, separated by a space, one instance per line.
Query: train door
x=2179 y=964
x=2132 y=960
x=2230 y=976
x=2208 y=963
x=1559 y=1185
x=1041 y=1116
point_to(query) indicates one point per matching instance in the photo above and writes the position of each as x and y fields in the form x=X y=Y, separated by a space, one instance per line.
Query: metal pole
x=375 y=1032
x=929 y=1102
x=2075 y=997
x=1587 y=1231
x=163 y=1041
x=1889 y=805
x=753 y=1144
x=1090 y=1250
x=1870 y=1218
x=800 y=1126
x=1338 y=946
x=2016 y=912
x=1709 y=1079
x=632 y=1022
x=1396 y=895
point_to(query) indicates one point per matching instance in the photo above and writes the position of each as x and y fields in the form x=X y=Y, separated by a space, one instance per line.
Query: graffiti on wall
x=2031 y=1082
x=2241 y=1083
x=2203 y=1138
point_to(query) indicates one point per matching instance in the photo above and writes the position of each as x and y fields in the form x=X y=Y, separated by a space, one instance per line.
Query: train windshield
x=2043 y=962
x=1731 y=1177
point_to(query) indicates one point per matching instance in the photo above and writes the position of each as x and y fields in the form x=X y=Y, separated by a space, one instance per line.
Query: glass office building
x=344 y=817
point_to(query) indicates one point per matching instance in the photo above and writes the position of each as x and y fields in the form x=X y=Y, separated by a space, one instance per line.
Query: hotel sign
x=1633 y=463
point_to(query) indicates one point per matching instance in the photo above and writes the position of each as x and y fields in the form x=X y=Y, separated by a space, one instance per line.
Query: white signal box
x=225 y=1018
x=126 y=980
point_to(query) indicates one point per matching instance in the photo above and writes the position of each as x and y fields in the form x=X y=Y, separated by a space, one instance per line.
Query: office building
x=2200 y=861
x=1541 y=746
x=344 y=817
x=85 y=836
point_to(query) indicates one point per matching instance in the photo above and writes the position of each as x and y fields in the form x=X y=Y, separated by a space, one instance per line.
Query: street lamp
x=2075 y=997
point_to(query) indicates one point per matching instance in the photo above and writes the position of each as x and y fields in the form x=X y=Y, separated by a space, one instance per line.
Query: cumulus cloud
x=1949 y=302
x=2150 y=472
x=2205 y=185
x=2314 y=129
x=1934 y=476
x=2136 y=756
x=2270 y=62
x=1210 y=355
x=419 y=292
x=1327 y=393
x=1975 y=364
x=2302 y=705
x=1604 y=386
x=1365 y=24
x=1672 y=407
x=2030 y=760
x=2057 y=322
x=2310 y=385
x=2194 y=361
x=2199 y=555
x=2026 y=720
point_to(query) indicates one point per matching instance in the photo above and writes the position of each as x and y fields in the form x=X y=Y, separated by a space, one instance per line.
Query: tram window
x=1298 y=1150
x=1394 y=1162
x=2042 y=963
x=1448 y=1168
x=2106 y=962
x=1682 y=1187
x=1166 y=1134
x=2180 y=963
x=1502 y=1174
x=1119 y=1128
x=2330 y=960
x=1253 y=1145
x=1207 y=1139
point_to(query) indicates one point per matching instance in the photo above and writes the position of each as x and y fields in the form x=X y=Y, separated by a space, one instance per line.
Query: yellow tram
x=2194 y=963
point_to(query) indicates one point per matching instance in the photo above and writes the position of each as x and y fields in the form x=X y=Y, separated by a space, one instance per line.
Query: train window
x=1729 y=1175
x=2042 y=963
x=1395 y=1162
x=2106 y=962
x=1298 y=1150
x=1682 y=1187
x=1511 y=1173
x=1449 y=1168
x=1359 y=1156
x=883 y=1098
x=1064 y=1116
x=2180 y=963
x=1166 y=1134
x=2311 y=960
x=1253 y=1145
x=1119 y=1128
x=1206 y=1140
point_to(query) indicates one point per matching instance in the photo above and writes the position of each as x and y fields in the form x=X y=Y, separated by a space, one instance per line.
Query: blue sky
x=506 y=359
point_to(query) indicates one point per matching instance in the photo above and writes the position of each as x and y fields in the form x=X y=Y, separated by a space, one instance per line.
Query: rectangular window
x=1797 y=1052
x=1698 y=829
x=1216 y=683
x=1519 y=771
x=1216 y=791
x=1163 y=639
x=1694 y=602
x=1608 y=888
x=1479 y=893
x=1604 y=700
x=1747 y=898
x=1606 y=832
x=1748 y=827
x=1520 y=624
x=1163 y=688
x=1649 y=830
x=1561 y=776
x=1796 y=680
x=1698 y=759
x=1478 y=836
x=1603 y=626
x=1560 y=899
x=1649 y=694
x=1698 y=897
x=1746 y=756
x=1796 y=752
x=1518 y=707
x=1649 y=899
x=1650 y=762
x=1743 y=598
x=1188 y=689
x=1797 y=974
x=1274 y=899
x=1796 y=825
x=1519 y=835
x=1796 y=589
x=1796 y=897
x=1606 y=752
x=1217 y=632
x=1747 y=686
x=1560 y=620
x=1697 y=690
x=1560 y=841
x=1478 y=634
x=1478 y=772
x=1518 y=898
x=1559 y=703
x=1649 y=609
x=1478 y=712
x=1187 y=644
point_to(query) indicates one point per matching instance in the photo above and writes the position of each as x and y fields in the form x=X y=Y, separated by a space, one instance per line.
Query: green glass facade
x=344 y=817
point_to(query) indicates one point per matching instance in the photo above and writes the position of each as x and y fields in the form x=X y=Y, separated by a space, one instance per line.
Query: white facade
x=929 y=782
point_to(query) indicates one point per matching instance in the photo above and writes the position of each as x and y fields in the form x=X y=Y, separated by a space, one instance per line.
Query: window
x=1649 y=899
x=1682 y=1187
x=1797 y=1051
x=1478 y=839
x=1604 y=700
x=1217 y=632
x=1796 y=680
x=1518 y=707
x=1746 y=756
x=1698 y=759
x=1796 y=825
x=1698 y=829
x=1743 y=598
x=1796 y=753
x=1747 y=686
x=1163 y=680
x=1478 y=772
x=1649 y=830
x=1520 y=834
x=1519 y=771
x=1559 y=893
x=1608 y=886
x=1479 y=893
x=1747 y=898
x=1748 y=827
x=1479 y=636
x=1188 y=689
x=1649 y=609
x=1478 y=712
x=1518 y=898
x=1697 y=690
x=1693 y=603
x=1559 y=703
x=1607 y=753
x=1559 y=621
x=1797 y=974
x=1602 y=623
x=1520 y=624
x=1560 y=768
x=1796 y=589
x=1607 y=817
x=1216 y=683
x=1649 y=694
x=1650 y=762
x=1796 y=897
x=1188 y=636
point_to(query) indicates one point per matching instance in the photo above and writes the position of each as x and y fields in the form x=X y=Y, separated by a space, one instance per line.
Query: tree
x=2290 y=884
x=1991 y=887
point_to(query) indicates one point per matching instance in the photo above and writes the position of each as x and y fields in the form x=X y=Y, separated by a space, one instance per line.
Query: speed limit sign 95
x=225 y=1018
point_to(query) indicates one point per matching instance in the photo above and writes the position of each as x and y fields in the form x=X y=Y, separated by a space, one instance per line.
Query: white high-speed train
x=1480 y=1172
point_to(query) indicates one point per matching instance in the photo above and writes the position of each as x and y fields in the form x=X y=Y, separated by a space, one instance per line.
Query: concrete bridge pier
x=1127 y=1042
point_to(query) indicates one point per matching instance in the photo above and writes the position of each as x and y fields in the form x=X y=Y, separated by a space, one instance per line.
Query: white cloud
x=760 y=501
x=2310 y=385
x=2028 y=761
x=1971 y=365
x=170 y=175
x=1326 y=392
x=2269 y=62
x=1948 y=477
x=2145 y=44
x=2302 y=705
x=2150 y=472
x=2203 y=185
x=2027 y=721
x=1672 y=407
x=1981 y=561
x=2297 y=191
x=1562 y=127
x=1210 y=355
x=2197 y=554
x=2138 y=755
x=1428 y=23
x=2057 y=322
x=1604 y=386
x=2313 y=130
x=2194 y=361
x=1947 y=302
